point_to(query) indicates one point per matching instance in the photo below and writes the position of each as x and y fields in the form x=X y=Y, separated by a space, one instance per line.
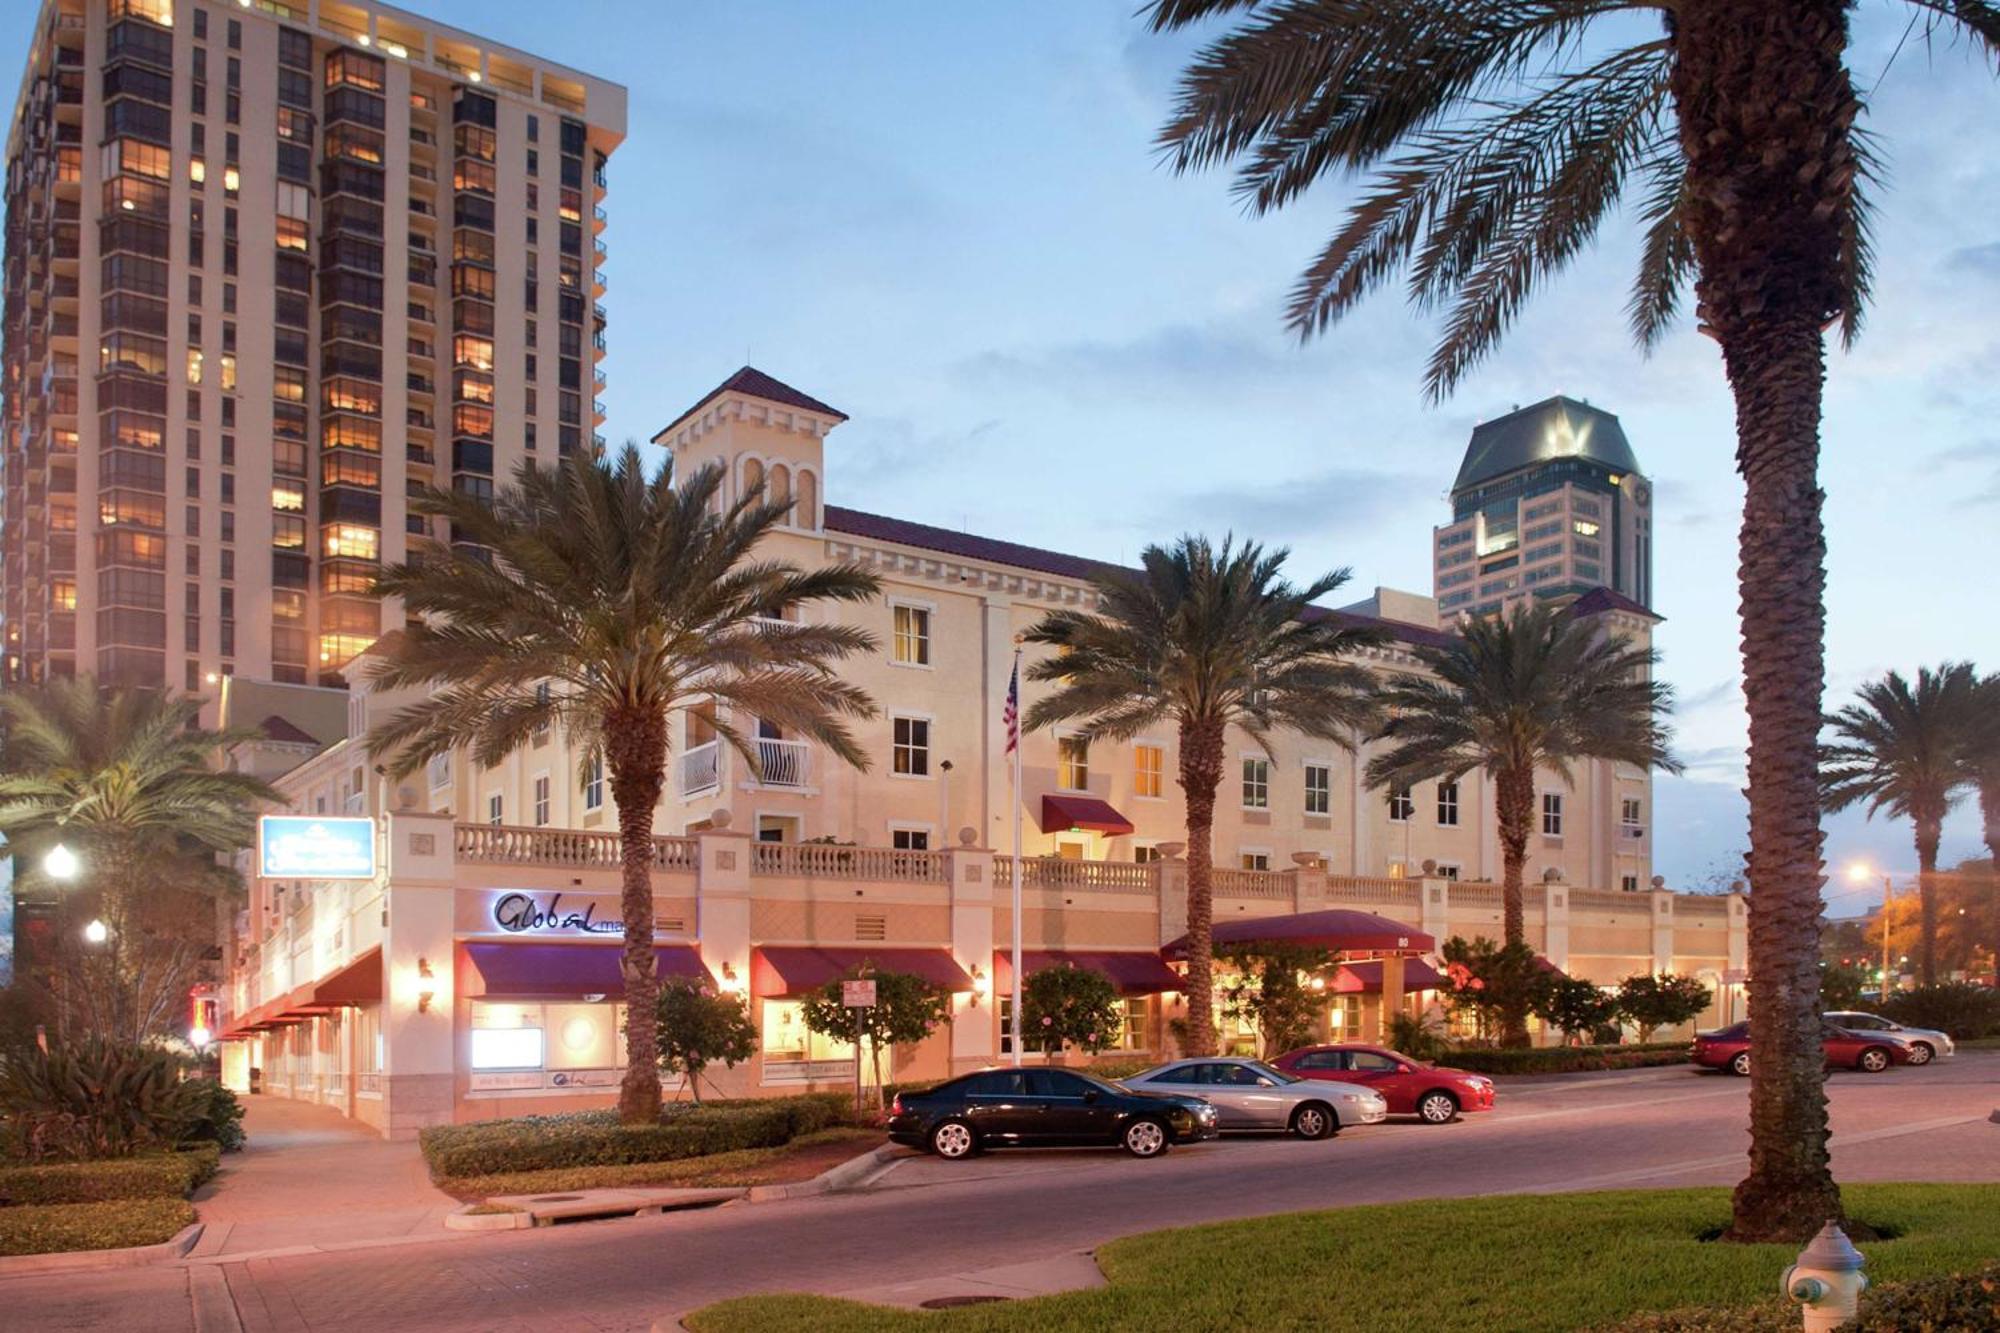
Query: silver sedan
x=1249 y=1094
x=1926 y=1044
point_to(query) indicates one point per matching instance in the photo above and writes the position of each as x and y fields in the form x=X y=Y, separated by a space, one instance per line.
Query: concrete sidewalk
x=312 y=1179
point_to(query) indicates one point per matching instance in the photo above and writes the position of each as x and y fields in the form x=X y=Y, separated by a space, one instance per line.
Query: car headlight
x=1358 y=1098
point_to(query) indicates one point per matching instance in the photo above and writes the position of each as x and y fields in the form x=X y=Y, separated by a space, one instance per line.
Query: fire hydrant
x=1827 y=1281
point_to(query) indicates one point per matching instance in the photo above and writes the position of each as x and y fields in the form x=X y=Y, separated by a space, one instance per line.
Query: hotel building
x=268 y=268
x=1549 y=502
x=474 y=974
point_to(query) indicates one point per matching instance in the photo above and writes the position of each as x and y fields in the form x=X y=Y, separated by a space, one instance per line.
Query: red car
x=1870 y=1052
x=1411 y=1087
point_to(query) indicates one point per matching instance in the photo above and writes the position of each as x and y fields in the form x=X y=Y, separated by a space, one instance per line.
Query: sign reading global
x=309 y=847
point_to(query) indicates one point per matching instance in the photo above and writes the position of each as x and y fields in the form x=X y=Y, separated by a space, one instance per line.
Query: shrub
x=1663 y=1001
x=92 y=1226
x=97 y=1098
x=218 y=1116
x=1111 y=1069
x=156 y=1176
x=1566 y=1059
x=1951 y=1301
x=1069 y=1005
x=1417 y=1038
x=698 y=1027
x=1956 y=1007
x=595 y=1138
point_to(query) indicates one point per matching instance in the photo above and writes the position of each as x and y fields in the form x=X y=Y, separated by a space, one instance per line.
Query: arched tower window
x=806 y=513
x=781 y=484
x=753 y=475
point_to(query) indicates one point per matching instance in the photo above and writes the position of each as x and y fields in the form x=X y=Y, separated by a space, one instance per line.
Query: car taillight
x=896 y=1104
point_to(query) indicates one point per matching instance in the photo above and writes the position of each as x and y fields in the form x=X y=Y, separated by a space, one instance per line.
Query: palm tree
x=132 y=779
x=1982 y=760
x=1209 y=638
x=1902 y=749
x=587 y=597
x=1501 y=133
x=1515 y=695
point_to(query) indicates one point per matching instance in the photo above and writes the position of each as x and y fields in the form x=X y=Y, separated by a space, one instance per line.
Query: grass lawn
x=1548 y=1262
x=801 y=1159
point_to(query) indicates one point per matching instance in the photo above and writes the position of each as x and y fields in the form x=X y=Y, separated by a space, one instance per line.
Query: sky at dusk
x=949 y=222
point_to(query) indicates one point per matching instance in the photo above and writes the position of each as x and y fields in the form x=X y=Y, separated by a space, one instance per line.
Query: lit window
x=232 y=180
x=289 y=496
x=1585 y=528
x=1552 y=814
x=1402 y=805
x=1255 y=860
x=911 y=749
x=194 y=365
x=228 y=365
x=1448 y=804
x=197 y=170
x=913 y=636
x=1256 y=784
x=1149 y=769
x=352 y=539
x=1319 y=789
x=1072 y=763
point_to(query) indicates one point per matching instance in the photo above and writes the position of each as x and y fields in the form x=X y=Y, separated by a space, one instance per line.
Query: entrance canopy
x=795 y=970
x=561 y=971
x=360 y=982
x=1366 y=978
x=1339 y=930
x=1131 y=973
x=1066 y=814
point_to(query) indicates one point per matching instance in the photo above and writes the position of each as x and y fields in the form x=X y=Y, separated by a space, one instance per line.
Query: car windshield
x=1277 y=1076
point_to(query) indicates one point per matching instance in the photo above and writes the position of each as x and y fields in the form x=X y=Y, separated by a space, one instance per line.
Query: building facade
x=268 y=268
x=1549 y=502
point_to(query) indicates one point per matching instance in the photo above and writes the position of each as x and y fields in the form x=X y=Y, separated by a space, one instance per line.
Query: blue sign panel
x=315 y=847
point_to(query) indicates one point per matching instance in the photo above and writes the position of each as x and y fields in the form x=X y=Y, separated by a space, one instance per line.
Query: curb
x=132 y=1256
x=848 y=1175
x=462 y=1219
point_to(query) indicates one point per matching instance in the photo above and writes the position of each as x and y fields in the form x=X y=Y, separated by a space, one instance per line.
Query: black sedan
x=1044 y=1108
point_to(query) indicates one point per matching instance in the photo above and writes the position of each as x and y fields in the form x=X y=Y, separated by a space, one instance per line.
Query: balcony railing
x=1252 y=884
x=783 y=763
x=808 y=860
x=701 y=768
x=1055 y=872
x=500 y=844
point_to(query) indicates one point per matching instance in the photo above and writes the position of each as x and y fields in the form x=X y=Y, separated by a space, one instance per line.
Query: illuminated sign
x=315 y=847
x=525 y=913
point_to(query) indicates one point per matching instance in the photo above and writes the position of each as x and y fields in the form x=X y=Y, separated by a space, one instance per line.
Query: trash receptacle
x=256 y=1080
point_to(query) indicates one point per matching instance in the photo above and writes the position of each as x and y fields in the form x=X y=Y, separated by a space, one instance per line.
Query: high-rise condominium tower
x=268 y=268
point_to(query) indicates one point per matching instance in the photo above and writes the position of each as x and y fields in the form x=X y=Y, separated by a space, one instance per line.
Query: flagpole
x=1014 y=1020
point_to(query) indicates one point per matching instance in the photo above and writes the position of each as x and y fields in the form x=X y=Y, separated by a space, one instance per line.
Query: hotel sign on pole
x=315 y=847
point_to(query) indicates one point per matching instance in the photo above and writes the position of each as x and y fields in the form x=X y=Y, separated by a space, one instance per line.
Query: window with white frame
x=1145 y=853
x=541 y=735
x=1149 y=770
x=1398 y=868
x=512 y=1036
x=1552 y=814
x=1448 y=870
x=1402 y=804
x=1134 y=1024
x=1629 y=817
x=1319 y=789
x=496 y=807
x=911 y=642
x=1256 y=783
x=1629 y=883
x=1254 y=858
x=541 y=800
x=910 y=747
x=439 y=770
x=910 y=837
x=1072 y=763
x=593 y=783
x=1448 y=804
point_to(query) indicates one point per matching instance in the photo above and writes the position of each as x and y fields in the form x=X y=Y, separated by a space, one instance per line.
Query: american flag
x=1010 y=716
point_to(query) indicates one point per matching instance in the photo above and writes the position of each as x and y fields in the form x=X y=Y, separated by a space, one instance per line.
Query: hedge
x=1566 y=1059
x=155 y=1176
x=52 y=1228
x=595 y=1138
x=1947 y=1302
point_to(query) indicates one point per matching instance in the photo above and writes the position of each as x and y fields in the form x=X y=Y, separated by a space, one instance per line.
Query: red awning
x=794 y=970
x=1338 y=929
x=360 y=982
x=1131 y=973
x=1366 y=978
x=565 y=971
x=1061 y=814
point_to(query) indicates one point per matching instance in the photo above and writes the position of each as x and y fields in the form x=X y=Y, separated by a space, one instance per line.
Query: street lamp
x=96 y=932
x=200 y=1037
x=1859 y=873
x=61 y=863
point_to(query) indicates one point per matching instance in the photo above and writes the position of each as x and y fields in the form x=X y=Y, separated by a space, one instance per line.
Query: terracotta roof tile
x=755 y=384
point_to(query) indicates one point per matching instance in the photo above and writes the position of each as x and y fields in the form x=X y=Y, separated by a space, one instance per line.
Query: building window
x=1072 y=763
x=1149 y=770
x=439 y=769
x=1256 y=784
x=911 y=752
x=787 y=1041
x=1402 y=804
x=541 y=800
x=1145 y=853
x=1628 y=817
x=1446 y=870
x=1250 y=860
x=910 y=839
x=1448 y=804
x=496 y=809
x=912 y=641
x=1134 y=1023
x=1552 y=814
x=593 y=784
x=516 y=1037
x=1629 y=883
x=1319 y=789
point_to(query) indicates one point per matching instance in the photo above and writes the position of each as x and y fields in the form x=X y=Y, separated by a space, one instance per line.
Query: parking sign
x=858 y=994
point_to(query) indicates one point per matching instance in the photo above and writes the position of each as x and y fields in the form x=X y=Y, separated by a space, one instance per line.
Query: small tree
x=1662 y=1001
x=1077 y=1006
x=697 y=1027
x=1271 y=990
x=907 y=1009
x=1492 y=982
x=1840 y=984
x=1577 y=1006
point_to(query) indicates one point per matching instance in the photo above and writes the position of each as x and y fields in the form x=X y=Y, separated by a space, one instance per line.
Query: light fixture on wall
x=732 y=983
x=426 y=986
x=982 y=985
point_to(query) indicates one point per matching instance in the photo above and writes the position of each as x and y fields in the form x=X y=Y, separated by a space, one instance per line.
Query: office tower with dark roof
x=268 y=268
x=1549 y=502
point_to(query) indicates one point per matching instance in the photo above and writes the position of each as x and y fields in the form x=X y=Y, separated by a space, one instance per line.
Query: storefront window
x=1135 y=1024
x=794 y=1053
x=514 y=1037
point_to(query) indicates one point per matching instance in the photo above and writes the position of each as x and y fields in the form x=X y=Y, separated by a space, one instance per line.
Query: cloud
x=1979 y=451
x=1982 y=259
x=1322 y=504
x=1193 y=358
x=1729 y=688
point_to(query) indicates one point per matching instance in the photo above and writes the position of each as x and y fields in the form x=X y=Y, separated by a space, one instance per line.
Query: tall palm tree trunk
x=1764 y=106
x=1201 y=773
x=1989 y=811
x=1514 y=800
x=1930 y=832
x=636 y=753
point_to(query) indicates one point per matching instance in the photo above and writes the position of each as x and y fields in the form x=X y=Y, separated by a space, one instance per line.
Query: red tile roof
x=755 y=384
x=1599 y=600
x=278 y=729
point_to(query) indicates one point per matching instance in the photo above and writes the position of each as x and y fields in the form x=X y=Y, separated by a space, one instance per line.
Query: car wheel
x=1873 y=1060
x=1315 y=1120
x=953 y=1141
x=1145 y=1138
x=1921 y=1053
x=1437 y=1108
x=1739 y=1064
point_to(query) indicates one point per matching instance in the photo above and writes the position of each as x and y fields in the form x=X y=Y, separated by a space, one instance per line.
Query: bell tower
x=761 y=431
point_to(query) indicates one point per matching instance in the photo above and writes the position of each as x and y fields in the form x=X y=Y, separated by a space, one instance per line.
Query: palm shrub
x=1498 y=135
x=1533 y=690
x=1207 y=638
x=1901 y=748
x=1417 y=1037
x=1964 y=1011
x=97 y=1098
x=589 y=597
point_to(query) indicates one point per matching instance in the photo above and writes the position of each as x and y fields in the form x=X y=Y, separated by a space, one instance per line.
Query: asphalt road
x=927 y=1218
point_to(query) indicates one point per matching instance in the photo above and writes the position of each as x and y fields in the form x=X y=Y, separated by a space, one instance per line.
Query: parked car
x=1926 y=1044
x=1870 y=1052
x=998 y=1108
x=1409 y=1086
x=1249 y=1094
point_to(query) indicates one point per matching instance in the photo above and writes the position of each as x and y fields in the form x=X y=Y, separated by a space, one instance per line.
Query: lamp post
x=1859 y=873
x=61 y=863
x=96 y=932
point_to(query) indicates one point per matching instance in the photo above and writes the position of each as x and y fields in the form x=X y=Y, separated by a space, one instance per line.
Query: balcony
x=784 y=763
x=701 y=768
